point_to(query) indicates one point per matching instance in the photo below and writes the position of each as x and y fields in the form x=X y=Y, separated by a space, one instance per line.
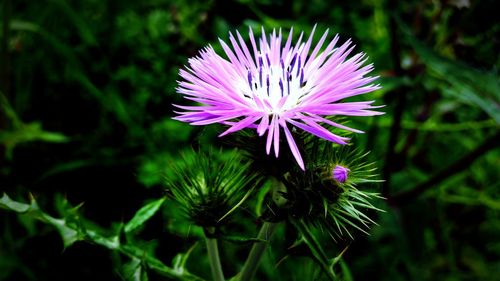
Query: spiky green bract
x=320 y=201
x=249 y=143
x=209 y=186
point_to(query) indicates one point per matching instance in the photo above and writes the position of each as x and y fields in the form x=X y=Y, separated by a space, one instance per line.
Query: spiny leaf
x=68 y=234
x=74 y=232
x=9 y=204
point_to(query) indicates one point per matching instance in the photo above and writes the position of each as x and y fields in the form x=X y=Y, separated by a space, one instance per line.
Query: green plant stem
x=213 y=257
x=258 y=248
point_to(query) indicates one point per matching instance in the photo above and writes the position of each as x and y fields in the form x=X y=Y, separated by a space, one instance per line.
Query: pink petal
x=263 y=126
x=319 y=131
x=270 y=135
x=240 y=125
x=276 y=136
x=292 y=145
x=331 y=123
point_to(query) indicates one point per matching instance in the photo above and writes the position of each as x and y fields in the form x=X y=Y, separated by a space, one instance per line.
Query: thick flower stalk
x=268 y=85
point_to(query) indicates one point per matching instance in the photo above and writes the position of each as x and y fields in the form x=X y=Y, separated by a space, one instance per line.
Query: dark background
x=85 y=116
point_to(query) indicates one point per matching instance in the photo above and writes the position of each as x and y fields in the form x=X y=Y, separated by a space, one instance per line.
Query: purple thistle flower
x=266 y=86
x=340 y=174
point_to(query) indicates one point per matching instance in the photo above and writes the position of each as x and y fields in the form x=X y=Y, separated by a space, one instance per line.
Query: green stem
x=258 y=248
x=213 y=257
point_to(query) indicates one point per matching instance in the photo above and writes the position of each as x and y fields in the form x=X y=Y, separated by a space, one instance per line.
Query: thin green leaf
x=134 y=271
x=346 y=272
x=180 y=260
x=462 y=82
x=315 y=247
x=247 y=194
x=144 y=214
x=241 y=240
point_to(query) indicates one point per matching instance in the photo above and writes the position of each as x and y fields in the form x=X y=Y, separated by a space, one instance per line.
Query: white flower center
x=275 y=88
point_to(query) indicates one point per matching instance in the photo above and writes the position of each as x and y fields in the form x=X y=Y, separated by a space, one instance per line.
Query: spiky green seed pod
x=210 y=186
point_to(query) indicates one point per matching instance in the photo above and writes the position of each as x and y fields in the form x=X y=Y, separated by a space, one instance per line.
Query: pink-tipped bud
x=340 y=174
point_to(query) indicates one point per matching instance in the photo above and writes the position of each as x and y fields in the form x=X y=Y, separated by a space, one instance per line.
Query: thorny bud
x=340 y=174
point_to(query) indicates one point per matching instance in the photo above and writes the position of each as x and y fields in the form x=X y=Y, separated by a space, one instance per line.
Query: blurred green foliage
x=85 y=118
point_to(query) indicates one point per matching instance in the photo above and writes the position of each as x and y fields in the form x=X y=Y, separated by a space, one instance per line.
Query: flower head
x=268 y=85
x=328 y=195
